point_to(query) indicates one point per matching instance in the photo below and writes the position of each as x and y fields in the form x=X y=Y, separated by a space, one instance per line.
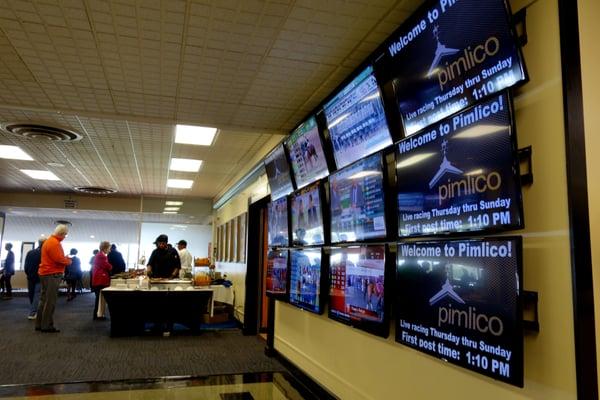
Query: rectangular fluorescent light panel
x=13 y=153
x=41 y=175
x=169 y=212
x=174 y=203
x=171 y=208
x=180 y=183
x=185 y=165
x=196 y=135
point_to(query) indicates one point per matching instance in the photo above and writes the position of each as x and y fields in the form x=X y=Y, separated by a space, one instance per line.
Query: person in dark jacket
x=73 y=274
x=32 y=263
x=101 y=274
x=8 y=272
x=115 y=258
x=164 y=261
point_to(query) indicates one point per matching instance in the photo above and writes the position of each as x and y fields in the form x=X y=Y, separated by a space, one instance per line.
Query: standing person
x=185 y=258
x=164 y=261
x=73 y=274
x=101 y=274
x=115 y=258
x=32 y=264
x=92 y=265
x=8 y=272
x=52 y=268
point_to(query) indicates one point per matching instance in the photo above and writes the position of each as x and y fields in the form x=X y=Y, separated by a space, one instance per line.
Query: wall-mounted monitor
x=449 y=55
x=307 y=216
x=277 y=273
x=461 y=175
x=459 y=300
x=356 y=200
x=278 y=173
x=356 y=120
x=307 y=269
x=277 y=233
x=306 y=153
x=356 y=287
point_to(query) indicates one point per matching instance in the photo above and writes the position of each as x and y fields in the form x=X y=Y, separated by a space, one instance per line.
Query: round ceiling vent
x=94 y=190
x=41 y=131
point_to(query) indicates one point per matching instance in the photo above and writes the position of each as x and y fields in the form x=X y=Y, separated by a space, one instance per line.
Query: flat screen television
x=356 y=120
x=277 y=273
x=356 y=201
x=277 y=233
x=460 y=301
x=307 y=216
x=306 y=279
x=357 y=286
x=464 y=179
x=448 y=56
x=278 y=173
x=306 y=153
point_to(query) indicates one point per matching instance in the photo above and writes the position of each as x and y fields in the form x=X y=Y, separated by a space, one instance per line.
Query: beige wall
x=589 y=31
x=356 y=365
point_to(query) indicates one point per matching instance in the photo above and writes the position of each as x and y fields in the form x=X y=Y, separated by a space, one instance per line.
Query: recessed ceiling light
x=55 y=164
x=13 y=153
x=171 y=208
x=169 y=212
x=180 y=183
x=185 y=164
x=92 y=236
x=197 y=135
x=174 y=203
x=40 y=174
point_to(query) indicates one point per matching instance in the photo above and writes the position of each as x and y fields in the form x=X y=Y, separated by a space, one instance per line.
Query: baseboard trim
x=309 y=384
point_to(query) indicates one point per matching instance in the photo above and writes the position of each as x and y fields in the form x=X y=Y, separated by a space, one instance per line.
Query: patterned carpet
x=83 y=350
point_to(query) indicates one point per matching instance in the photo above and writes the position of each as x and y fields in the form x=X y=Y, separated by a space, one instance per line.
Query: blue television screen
x=307 y=217
x=448 y=56
x=464 y=179
x=278 y=173
x=306 y=153
x=356 y=201
x=278 y=235
x=305 y=279
x=356 y=287
x=356 y=120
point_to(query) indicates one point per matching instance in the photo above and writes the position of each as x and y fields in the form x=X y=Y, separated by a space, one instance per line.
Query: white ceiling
x=122 y=73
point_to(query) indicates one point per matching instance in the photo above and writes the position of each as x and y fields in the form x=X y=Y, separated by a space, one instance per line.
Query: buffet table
x=131 y=309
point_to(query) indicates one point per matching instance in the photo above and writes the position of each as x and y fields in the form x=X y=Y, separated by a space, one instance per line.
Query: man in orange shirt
x=52 y=268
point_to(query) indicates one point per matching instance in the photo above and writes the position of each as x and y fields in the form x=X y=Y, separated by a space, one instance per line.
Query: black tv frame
x=386 y=212
x=387 y=76
x=277 y=295
x=287 y=159
x=516 y=177
x=323 y=281
x=324 y=215
x=288 y=216
x=518 y=342
x=381 y=329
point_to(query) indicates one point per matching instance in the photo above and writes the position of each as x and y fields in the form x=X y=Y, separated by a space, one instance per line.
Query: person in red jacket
x=101 y=273
x=52 y=268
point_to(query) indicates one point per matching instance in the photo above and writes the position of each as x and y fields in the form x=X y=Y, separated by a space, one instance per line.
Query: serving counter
x=133 y=303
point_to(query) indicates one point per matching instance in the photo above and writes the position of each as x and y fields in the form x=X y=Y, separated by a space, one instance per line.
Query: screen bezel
x=382 y=328
x=323 y=281
x=388 y=74
x=518 y=340
x=516 y=176
x=290 y=172
x=278 y=295
x=384 y=183
x=323 y=148
x=287 y=201
x=336 y=93
x=324 y=215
